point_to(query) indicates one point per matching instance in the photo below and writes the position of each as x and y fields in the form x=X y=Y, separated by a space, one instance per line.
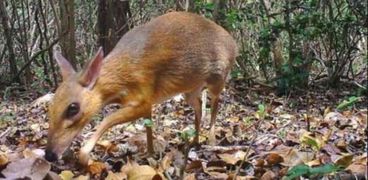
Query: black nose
x=50 y=156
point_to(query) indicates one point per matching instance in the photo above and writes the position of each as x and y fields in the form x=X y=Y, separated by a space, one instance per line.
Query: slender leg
x=126 y=114
x=194 y=99
x=149 y=133
x=214 y=91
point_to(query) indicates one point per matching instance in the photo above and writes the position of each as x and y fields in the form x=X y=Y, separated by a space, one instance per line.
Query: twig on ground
x=245 y=157
x=5 y=132
x=223 y=148
x=359 y=85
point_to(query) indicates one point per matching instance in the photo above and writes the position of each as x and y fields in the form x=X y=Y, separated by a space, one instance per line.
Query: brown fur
x=175 y=53
x=180 y=52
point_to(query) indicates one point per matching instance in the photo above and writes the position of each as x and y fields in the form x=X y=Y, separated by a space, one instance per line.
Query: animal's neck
x=115 y=78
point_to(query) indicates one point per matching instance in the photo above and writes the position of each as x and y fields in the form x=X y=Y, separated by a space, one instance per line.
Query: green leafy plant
x=188 y=134
x=306 y=171
x=347 y=103
x=261 y=112
x=148 y=122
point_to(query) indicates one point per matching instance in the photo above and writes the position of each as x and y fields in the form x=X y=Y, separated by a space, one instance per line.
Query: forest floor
x=317 y=133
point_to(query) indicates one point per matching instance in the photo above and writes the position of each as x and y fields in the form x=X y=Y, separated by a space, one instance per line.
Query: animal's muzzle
x=50 y=156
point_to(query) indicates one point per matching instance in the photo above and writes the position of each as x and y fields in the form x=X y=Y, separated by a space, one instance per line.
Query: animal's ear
x=65 y=67
x=91 y=72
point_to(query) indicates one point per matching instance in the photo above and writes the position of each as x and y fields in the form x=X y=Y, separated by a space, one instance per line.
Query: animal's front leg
x=126 y=114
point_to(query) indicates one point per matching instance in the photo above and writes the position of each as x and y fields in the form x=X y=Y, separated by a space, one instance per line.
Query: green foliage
x=234 y=19
x=261 y=112
x=148 y=123
x=333 y=29
x=306 y=171
x=248 y=120
x=205 y=8
x=315 y=143
x=291 y=77
x=236 y=73
x=5 y=116
x=347 y=103
x=261 y=108
x=188 y=134
x=282 y=134
x=304 y=22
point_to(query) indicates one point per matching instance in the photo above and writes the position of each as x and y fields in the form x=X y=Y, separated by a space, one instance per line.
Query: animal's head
x=74 y=103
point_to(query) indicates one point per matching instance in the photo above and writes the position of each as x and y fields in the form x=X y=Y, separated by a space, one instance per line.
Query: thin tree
x=67 y=23
x=9 y=42
x=113 y=19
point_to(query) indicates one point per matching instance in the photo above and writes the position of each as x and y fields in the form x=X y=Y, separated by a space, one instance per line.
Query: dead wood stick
x=224 y=148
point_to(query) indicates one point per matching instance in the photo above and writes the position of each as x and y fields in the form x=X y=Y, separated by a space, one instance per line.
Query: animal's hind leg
x=194 y=99
x=215 y=87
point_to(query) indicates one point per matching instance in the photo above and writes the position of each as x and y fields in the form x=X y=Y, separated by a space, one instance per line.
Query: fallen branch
x=245 y=158
x=5 y=132
x=223 y=148
x=359 y=85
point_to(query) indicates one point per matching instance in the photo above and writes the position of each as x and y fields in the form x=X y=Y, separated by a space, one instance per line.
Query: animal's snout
x=50 y=156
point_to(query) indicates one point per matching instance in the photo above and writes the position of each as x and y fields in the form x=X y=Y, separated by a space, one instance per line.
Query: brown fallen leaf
x=344 y=160
x=166 y=161
x=259 y=162
x=359 y=165
x=268 y=175
x=357 y=168
x=228 y=158
x=140 y=141
x=140 y=172
x=217 y=175
x=190 y=176
x=333 y=117
x=331 y=149
x=96 y=168
x=28 y=153
x=293 y=157
x=292 y=138
x=232 y=158
x=341 y=144
x=283 y=171
x=3 y=159
x=43 y=99
x=313 y=163
x=194 y=165
x=273 y=159
x=33 y=168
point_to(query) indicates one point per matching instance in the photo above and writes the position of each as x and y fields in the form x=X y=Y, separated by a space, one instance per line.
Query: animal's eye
x=72 y=110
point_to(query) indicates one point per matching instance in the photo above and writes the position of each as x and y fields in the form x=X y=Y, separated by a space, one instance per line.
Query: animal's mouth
x=50 y=156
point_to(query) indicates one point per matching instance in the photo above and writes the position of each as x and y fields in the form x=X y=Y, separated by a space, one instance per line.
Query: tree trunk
x=68 y=44
x=219 y=12
x=112 y=22
x=9 y=42
x=189 y=5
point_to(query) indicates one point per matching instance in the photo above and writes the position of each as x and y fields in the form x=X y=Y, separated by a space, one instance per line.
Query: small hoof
x=212 y=137
x=84 y=159
x=212 y=140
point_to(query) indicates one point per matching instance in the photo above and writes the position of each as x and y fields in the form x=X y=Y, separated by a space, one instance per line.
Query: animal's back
x=174 y=53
